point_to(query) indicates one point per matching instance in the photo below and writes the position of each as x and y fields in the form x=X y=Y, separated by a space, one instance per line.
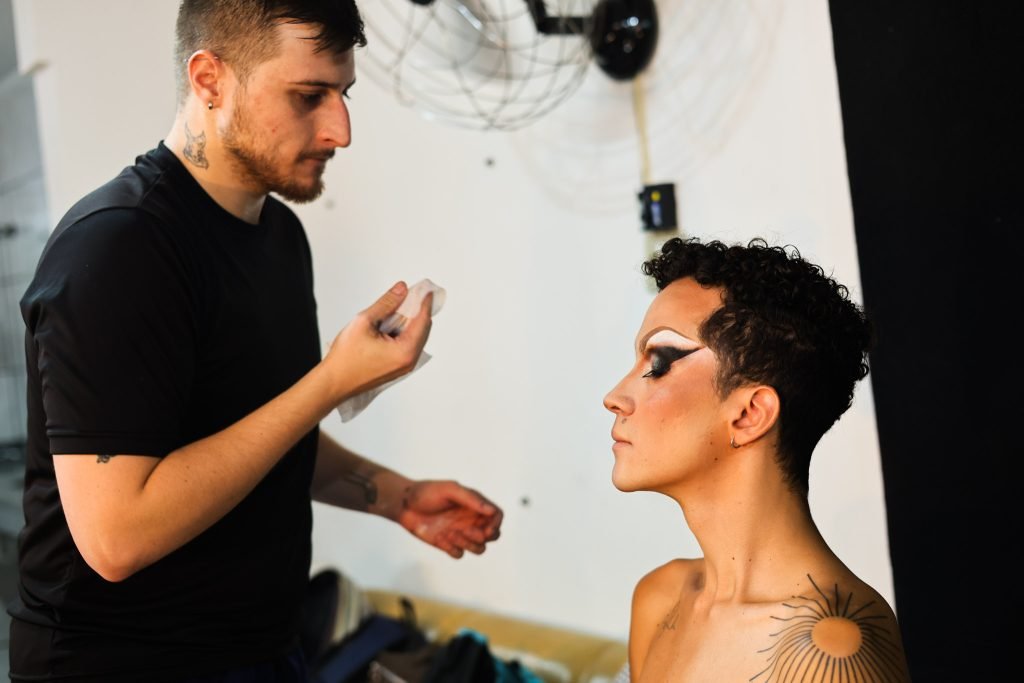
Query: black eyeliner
x=662 y=358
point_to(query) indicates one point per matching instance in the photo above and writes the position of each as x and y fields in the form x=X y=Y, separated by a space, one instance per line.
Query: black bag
x=465 y=659
x=387 y=650
x=396 y=641
x=349 y=661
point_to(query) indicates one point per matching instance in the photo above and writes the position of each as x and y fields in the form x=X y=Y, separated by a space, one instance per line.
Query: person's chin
x=622 y=481
x=302 y=194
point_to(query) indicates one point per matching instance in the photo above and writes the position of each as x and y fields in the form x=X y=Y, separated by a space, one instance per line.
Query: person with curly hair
x=745 y=358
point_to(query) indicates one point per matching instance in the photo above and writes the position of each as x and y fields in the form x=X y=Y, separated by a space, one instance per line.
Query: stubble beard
x=258 y=167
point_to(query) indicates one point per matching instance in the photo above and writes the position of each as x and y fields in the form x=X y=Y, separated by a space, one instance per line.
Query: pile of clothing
x=381 y=649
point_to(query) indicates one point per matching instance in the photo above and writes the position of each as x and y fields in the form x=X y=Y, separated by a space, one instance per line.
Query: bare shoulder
x=661 y=586
x=656 y=603
x=833 y=626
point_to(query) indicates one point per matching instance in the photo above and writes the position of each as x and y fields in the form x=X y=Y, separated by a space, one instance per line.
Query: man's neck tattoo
x=195 y=148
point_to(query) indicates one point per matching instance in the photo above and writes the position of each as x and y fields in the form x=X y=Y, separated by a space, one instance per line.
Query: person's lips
x=322 y=157
x=619 y=439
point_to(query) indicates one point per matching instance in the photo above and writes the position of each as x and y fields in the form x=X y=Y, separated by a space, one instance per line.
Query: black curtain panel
x=932 y=121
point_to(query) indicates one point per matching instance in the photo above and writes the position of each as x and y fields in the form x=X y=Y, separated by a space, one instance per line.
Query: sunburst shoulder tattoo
x=195 y=148
x=827 y=639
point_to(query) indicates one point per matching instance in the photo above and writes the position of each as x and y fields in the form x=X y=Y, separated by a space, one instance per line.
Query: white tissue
x=393 y=325
x=409 y=308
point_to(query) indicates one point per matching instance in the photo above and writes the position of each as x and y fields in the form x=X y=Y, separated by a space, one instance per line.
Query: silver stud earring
x=209 y=105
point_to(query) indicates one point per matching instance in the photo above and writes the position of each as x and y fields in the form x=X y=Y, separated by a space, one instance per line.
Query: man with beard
x=176 y=384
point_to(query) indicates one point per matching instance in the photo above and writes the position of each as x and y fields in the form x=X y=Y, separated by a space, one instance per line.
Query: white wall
x=535 y=236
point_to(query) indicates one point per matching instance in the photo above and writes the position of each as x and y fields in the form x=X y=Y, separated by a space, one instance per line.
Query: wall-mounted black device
x=658 y=207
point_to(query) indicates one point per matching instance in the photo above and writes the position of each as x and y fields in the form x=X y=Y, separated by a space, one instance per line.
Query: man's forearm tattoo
x=104 y=458
x=195 y=148
x=366 y=483
x=824 y=639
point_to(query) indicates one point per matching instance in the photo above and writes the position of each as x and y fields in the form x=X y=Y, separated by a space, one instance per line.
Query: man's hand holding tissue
x=362 y=357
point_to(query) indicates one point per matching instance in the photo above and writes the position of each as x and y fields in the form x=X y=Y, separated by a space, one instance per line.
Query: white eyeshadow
x=670 y=338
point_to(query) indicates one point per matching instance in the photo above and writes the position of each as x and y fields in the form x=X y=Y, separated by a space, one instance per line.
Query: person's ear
x=206 y=74
x=756 y=412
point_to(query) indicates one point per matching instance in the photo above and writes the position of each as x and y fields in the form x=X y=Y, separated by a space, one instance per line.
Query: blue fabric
x=504 y=672
x=358 y=650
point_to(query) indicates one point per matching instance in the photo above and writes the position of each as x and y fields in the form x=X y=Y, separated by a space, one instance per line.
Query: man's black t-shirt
x=157 y=318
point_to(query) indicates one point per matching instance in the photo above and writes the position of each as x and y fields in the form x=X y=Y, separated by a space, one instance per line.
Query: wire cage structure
x=480 y=64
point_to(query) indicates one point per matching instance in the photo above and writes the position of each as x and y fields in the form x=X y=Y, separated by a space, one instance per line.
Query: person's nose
x=336 y=129
x=618 y=400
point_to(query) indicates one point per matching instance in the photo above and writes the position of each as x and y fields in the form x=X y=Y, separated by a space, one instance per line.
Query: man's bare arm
x=347 y=480
x=125 y=513
x=443 y=513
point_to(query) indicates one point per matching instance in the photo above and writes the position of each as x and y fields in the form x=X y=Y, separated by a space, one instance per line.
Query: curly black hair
x=784 y=323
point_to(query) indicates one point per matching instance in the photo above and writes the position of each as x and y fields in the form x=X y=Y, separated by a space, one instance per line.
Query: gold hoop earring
x=732 y=442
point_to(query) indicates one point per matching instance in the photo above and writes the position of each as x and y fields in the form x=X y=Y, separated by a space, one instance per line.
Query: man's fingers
x=472 y=546
x=475 y=535
x=388 y=303
x=419 y=326
x=466 y=539
x=473 y=500
x=452 y=549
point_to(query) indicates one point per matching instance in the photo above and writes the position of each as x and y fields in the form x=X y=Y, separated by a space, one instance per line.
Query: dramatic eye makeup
x=664 y=347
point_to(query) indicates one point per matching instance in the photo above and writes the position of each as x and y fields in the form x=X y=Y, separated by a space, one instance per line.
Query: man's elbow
x=111 y=572
x=113 y=560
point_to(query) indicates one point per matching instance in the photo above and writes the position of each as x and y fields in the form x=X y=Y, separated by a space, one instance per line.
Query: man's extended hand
x=450 y=516
x=362 y=357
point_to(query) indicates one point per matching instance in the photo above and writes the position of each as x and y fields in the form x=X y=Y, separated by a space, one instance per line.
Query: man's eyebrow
x=329 y=85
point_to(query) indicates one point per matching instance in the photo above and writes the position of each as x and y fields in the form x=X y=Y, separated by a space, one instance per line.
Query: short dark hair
x=784 y=323
x=241 y=32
